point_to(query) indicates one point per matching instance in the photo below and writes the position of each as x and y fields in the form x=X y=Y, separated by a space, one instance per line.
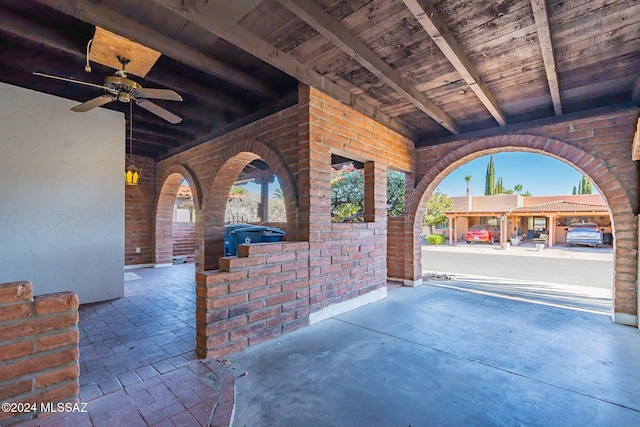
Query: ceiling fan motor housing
x=124 y=88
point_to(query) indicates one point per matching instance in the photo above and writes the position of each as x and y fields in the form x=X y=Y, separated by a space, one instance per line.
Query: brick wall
x=38 y=348
x=260 y=294
x=598 y=146
x=347 y=259
x=183 y=238
x=140 y=202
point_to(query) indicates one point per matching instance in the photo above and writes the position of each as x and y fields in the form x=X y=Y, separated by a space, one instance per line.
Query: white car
x=584 y=234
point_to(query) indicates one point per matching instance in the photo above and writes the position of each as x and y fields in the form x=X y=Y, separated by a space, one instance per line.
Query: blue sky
x=541 y=175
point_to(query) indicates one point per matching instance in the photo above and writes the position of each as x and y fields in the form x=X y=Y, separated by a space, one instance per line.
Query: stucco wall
x=61 y=196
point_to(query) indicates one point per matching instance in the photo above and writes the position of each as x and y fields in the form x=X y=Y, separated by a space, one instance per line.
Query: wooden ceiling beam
x=322 y=22
x=186 y=126
x=544 y=35
x=159 y=128
x=149 y=148
x=635 y=94
x=141 y=133
x=151 y=142
x=150 y=153
x=95 y=14
x=203 y=93
x=213 y=20
x=434 y=25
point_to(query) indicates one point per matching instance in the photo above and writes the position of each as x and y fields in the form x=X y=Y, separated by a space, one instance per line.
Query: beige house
x=527 y=217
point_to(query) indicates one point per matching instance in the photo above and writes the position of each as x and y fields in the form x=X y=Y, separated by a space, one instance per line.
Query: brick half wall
x=38 y=349
x=260 y=294
x=184 y=238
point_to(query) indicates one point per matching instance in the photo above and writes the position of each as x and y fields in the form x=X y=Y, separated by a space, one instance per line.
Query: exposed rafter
x=544 y=35
x=95 y=14
x=213 y=20
x=322 y=22
x=433 y=24
x=635 y=94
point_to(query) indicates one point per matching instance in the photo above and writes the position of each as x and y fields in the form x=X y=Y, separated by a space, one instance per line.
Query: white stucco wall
x=61 y=195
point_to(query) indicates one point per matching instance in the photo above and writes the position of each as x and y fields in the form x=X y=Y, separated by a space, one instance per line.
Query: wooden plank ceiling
x=429 y=69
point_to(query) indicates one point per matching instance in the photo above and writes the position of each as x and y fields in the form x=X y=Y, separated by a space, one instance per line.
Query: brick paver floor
x=137 y=359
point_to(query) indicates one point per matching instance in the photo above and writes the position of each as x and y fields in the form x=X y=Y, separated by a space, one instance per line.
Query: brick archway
x=170 y=184
x=624 y=222
x=227 y=167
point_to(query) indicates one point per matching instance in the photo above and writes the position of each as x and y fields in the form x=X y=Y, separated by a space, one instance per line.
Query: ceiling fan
x=123 y=89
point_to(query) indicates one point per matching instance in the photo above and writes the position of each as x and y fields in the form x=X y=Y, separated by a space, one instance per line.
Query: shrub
x=435 y=239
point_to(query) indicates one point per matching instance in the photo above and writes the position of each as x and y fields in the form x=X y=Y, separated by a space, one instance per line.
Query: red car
x=483 y=233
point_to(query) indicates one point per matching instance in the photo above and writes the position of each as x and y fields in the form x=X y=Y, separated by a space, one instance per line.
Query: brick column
x=38 y=348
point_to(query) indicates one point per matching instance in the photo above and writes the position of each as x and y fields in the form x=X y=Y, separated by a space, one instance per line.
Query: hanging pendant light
x=131 y=172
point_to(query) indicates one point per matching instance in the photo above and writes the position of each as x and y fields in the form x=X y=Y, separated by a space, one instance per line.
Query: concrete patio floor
x=432 y=356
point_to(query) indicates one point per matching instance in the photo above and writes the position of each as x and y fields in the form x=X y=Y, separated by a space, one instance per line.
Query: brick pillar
x=38 y=348
x=375 y=192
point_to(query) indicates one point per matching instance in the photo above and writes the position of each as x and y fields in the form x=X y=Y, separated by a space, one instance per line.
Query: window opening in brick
x=347 y=191
x=395 y=193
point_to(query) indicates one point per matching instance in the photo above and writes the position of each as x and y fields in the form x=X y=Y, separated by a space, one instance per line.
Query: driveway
x=430 y=356
x=578 y=278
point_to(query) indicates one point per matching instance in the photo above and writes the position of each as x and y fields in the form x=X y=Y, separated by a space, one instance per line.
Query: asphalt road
x=580 y=272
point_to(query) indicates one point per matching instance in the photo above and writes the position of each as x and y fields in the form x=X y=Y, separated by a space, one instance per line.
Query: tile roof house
x=527 y=216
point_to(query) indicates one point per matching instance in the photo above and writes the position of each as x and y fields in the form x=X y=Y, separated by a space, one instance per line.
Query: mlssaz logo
x=63 y=407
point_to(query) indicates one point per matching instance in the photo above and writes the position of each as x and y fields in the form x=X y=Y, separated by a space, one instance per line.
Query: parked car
x=482 y=233
x=584 y=234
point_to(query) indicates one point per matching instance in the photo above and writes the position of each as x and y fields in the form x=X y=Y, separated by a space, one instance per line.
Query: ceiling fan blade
x=65 y=79
x=167 y=94
x=159 y=111
x=93 y=103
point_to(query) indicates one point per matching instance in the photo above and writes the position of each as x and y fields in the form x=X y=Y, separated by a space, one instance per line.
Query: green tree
x=489 y=183
x=575 y=190
x=499 y=187
x=584 y=186
x=347 y=195
x=237 y=192
x=395 y=193
x=467 y=179
x=518 y=188
x=437 y=205
x=526 y=194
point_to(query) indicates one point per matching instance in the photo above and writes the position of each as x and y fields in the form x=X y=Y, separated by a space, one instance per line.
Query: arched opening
x=249 y=162
x=623 y=221
x=521 y=225
x=176 y=218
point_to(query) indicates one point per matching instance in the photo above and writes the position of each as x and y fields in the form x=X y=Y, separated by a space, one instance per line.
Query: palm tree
x=518 y=188
x=467 y=179
x=278 y=194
